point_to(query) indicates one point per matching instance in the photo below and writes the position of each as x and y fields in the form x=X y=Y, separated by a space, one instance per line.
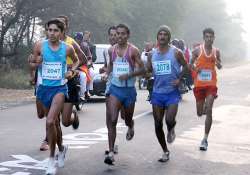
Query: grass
x=14 y=79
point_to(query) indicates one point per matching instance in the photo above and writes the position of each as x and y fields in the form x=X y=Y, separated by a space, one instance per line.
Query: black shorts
x=73 y=90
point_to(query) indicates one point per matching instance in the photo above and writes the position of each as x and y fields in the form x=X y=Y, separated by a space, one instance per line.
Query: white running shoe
x=61 y=156
x=51 y=169
x=164 y=157
x=204 y=145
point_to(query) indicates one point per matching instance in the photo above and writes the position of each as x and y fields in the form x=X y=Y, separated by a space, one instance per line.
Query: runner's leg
x=54 y=111
x=171 y=121
x=158 y=113
x=112 y=111
x=209 y=120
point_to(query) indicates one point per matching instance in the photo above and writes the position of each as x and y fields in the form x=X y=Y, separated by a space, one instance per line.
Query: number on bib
x=120 y=68
x=205 y=75
x=52 y=70
x=162 y=67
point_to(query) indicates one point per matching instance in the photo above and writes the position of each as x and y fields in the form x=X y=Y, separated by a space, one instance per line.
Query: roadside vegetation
x=22 y=21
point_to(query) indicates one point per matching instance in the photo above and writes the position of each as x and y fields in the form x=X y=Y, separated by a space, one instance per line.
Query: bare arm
x=37 y=58
x=218 y=59
x=140 y=65
x=149 y=67
x=81 y=56
x=109 y=64
x=180 y=57
x=195 y=54
x=71 y=53
x=181 y=60
x=135 y=55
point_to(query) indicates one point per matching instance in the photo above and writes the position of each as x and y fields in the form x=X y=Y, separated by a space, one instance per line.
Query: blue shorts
x=164 y=100
x=126 y=95
x=45 y=94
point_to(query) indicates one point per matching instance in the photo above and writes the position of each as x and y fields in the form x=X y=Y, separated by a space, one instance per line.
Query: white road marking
x=142 y=114
x=75 y=141
x=4 y=169
x=84 y=140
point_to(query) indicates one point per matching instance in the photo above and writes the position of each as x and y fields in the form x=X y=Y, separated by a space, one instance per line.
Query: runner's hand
x=176 y=82
x=69 y=75
x=124 y=77
x=218 y=64
x=104 y=77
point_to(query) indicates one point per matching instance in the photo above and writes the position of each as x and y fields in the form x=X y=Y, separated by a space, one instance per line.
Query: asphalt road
x=21 y=133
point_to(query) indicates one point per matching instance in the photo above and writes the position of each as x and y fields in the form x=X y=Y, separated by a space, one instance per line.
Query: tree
x=18 y=19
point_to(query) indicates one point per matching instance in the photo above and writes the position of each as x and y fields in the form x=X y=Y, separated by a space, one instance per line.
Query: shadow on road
x=96 y=100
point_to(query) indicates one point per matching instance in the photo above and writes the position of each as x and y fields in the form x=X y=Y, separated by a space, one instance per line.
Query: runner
x=204 y=60
x=33 y=80
x=52 y=89
x=165 y=63
x=112 y=37
x=70 y=116
x=124 y=56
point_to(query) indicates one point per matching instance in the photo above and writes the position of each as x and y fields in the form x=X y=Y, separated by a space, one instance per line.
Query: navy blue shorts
x=164 y=100
x=126 y=95
x=45 y=94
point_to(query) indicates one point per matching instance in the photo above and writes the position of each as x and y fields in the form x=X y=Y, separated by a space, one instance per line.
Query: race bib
x=52 y=70
x=162 y=67
x=120 y=68
x=205 y=75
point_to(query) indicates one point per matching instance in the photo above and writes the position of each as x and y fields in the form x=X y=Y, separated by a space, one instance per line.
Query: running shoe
x=51 y=169
x=44 y=146
x=61 y=156
x=75 y=123
x=109 y=159
x=164 y=157
x=204 y=145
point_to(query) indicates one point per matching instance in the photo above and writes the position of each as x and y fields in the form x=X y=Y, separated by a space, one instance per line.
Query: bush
x=14 y=79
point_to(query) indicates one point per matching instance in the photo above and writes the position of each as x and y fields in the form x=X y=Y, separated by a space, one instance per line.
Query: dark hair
x=111 y=28
x=78 y=36
x=175 y=42
x=57 y=22
x=66 y=19
x=208 y=30
x=123 y=26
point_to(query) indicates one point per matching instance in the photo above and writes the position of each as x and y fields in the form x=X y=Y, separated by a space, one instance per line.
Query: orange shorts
x=201 y=93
